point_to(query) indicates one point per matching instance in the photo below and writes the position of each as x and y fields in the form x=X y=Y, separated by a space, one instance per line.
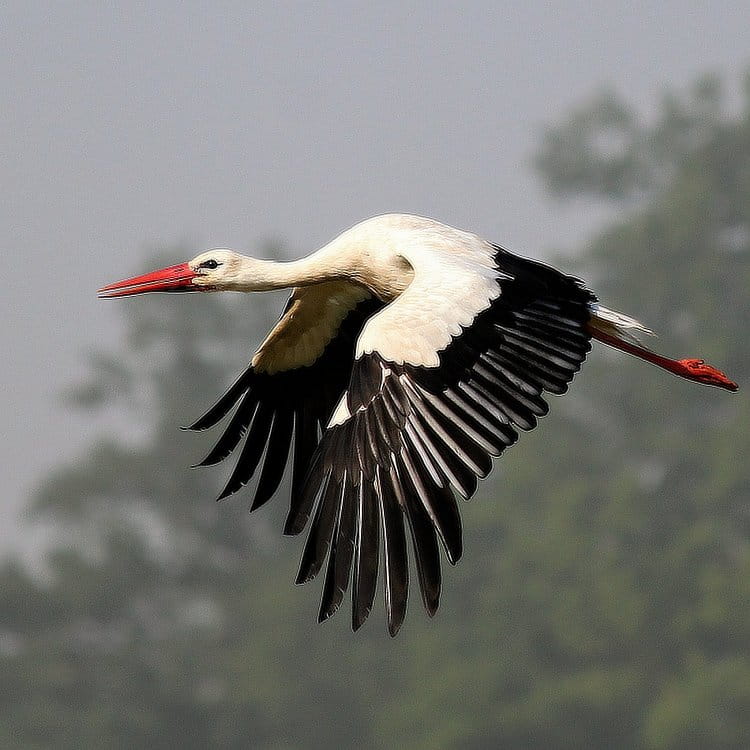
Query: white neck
x=265 y=275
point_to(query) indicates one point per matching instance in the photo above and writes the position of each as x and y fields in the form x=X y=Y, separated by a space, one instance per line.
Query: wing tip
x=303 y=578
x=393 y=628
x=229 y=490
x=328 y=609
x=292 y=529
x=432 y=604
x=359 y=615
x=203 y=422
x=295 y=524
x=453 y=554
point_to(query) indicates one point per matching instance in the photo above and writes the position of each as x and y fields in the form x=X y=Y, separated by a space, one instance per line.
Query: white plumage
x=409 y=354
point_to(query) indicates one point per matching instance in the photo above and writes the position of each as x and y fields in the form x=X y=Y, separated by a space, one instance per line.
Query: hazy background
x=604 y=598
x=131 y=127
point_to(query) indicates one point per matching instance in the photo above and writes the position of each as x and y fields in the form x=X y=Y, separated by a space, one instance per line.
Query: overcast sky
x=230 y=123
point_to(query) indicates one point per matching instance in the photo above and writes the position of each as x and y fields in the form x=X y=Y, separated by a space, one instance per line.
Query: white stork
x=408 y=355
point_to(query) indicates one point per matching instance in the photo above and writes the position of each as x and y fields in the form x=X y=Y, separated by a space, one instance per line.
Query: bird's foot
x=701 y=372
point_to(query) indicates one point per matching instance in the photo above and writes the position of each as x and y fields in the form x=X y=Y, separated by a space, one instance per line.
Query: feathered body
x=409 y=355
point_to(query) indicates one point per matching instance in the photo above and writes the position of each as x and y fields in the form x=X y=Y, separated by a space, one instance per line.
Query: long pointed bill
x=177 y=278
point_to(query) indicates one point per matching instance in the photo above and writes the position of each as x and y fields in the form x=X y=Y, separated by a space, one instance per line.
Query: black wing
x=280 y=407
x=414 y=435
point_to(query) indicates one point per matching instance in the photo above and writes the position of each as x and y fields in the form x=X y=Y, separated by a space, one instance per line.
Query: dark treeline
x=604 y=597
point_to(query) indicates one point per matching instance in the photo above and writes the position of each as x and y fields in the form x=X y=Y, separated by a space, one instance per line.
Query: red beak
x=173 y=279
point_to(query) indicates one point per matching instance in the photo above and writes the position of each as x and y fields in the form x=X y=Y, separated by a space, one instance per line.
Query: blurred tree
x=614 y=608
x=604 y=599
x=145 y=632
x=604 y=150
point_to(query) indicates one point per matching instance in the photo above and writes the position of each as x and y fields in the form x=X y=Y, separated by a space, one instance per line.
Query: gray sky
x=132 y=128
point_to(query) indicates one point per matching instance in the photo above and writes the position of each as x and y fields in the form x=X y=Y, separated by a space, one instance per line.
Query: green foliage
x=604 y=149
x=603 y=598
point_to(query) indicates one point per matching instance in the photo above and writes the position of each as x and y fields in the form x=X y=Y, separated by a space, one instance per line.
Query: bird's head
x=214 y=270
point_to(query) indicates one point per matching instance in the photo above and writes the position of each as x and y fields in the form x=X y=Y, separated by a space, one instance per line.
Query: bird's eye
x=210 y=264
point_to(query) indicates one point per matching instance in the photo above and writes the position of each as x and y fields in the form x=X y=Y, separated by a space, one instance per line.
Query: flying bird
x=409 y=354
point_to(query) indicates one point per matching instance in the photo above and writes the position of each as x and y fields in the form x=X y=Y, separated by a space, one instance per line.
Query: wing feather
x=424 y=538
x=277 y=452
x=396 y=588
x=252 y=451
x=408 y=435
x=306 y=436
x=234 y=431
x=366 y=554
x=288 y=393
x=225 y=404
